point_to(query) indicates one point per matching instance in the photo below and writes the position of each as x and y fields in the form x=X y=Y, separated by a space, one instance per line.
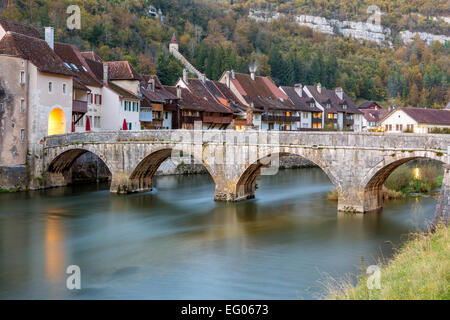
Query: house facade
x=310 y=115
x=35 y=93
x=339 y=111
x=417 y=120
x=270 y=107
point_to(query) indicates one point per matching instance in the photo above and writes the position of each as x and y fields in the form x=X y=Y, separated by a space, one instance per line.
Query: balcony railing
x=79 y=106
x=266 y=117
x=217 y=119
x=190 y=119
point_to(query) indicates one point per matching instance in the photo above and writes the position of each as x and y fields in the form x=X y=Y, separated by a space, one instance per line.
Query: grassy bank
x=420 y=270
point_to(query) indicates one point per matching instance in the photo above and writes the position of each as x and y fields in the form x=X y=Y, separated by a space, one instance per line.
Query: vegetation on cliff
x=217 y=36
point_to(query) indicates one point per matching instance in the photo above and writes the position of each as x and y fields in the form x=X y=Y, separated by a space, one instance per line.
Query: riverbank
x=418 y=271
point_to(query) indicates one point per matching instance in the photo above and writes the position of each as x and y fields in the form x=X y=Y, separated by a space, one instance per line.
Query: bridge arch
x=375 y=178
x=141 y=176
x=64 y=159
x=246 y=184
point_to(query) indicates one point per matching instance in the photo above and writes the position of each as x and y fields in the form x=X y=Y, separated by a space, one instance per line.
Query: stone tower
x=173 y=45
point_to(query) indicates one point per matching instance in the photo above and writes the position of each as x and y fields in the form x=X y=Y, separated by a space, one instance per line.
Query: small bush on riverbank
x=418 y=271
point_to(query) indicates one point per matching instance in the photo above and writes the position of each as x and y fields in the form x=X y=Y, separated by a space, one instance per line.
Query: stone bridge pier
x=357 y=164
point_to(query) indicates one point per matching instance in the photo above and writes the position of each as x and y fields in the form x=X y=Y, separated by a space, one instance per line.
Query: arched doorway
x=56 y=122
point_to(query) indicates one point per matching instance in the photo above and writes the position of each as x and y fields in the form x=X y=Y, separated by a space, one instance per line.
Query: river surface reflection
x=177 y=243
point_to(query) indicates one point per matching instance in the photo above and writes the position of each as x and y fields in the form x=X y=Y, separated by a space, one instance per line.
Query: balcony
x=190 y=119
x=217 y=119
x=79 y=106
x=145 y=115
x=266 y=117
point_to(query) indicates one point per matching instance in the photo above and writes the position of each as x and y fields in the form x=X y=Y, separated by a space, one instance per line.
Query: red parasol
x=88 y=124
x=125 y=125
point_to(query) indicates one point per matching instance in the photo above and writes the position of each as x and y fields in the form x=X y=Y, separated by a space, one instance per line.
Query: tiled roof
x=303 y=102
x=336 y=104
x=92 y=56
x=17 y=27
x=369 y=104
x=35 y=50
x=375 y=115
x=160 y=94
x=70 y=55
x=96 y=67
x=122 y=70
x=203 y=94
x=189 y=101
x=122 y=92
x=229 y=95
x=174 y=39
x=262 y=93
x=428 y=116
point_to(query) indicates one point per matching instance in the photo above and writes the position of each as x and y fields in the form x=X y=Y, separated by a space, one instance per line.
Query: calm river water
x=177 y=243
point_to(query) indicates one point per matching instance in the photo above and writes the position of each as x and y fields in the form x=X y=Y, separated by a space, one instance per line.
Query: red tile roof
x=207 y=98
x=17 y=27
x=262 y=93
x=303 y=102
x=174 y=39
x=92 y=56
x=326 y=95
x=375 y=115
x=428 y=116
x=70 y=55
x=35 y=50
x=369 y=104
x=122 y=70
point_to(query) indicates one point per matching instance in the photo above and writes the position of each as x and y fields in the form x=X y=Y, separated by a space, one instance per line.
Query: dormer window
x=311 y=104
x=344 y=106
x=328 y=105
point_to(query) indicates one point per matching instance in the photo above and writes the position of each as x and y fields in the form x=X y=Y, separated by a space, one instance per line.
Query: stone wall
x=13 y=178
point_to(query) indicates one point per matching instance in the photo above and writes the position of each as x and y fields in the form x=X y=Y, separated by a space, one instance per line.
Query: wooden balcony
x=266 y=117
x=218 y=119
x=79 y=106
x=190 y=119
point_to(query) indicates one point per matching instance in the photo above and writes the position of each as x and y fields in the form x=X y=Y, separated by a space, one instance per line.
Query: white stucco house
x=417 y=120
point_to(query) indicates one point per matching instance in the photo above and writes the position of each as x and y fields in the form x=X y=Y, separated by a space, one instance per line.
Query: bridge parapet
x=406 y=141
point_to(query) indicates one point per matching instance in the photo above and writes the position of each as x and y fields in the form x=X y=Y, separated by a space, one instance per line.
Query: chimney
x=203 y=78
x=319 y=88
x=299 y=89
x=50 y=37
x=228 y=79
x=339 y=92
x=105 y=73
x=252 y=73
x=151 y=84
x=233 y=75
x=185 y=76
x=178 y=92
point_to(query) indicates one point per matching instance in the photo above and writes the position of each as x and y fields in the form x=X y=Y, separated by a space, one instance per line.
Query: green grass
x=420 y=270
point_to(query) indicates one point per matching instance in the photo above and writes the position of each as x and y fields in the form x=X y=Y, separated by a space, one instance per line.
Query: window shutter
x=100 y=99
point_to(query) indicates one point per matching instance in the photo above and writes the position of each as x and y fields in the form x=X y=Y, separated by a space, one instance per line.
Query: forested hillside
x=217 y=35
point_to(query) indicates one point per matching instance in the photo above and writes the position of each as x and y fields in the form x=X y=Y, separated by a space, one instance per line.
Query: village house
x=417 y=120
x=310 y=115
x=159 y=106
x=369 y=105
x=120 y=98
x=271 y=109
x=36 y=91
x=339 y=111
x=87 y=97
x=218 y=112
x=372 y=118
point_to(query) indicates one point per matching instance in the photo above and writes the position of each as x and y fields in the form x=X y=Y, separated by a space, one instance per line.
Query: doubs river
x=177 y=243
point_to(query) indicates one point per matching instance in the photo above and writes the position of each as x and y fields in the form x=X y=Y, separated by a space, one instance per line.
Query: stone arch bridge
x=356 y=163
